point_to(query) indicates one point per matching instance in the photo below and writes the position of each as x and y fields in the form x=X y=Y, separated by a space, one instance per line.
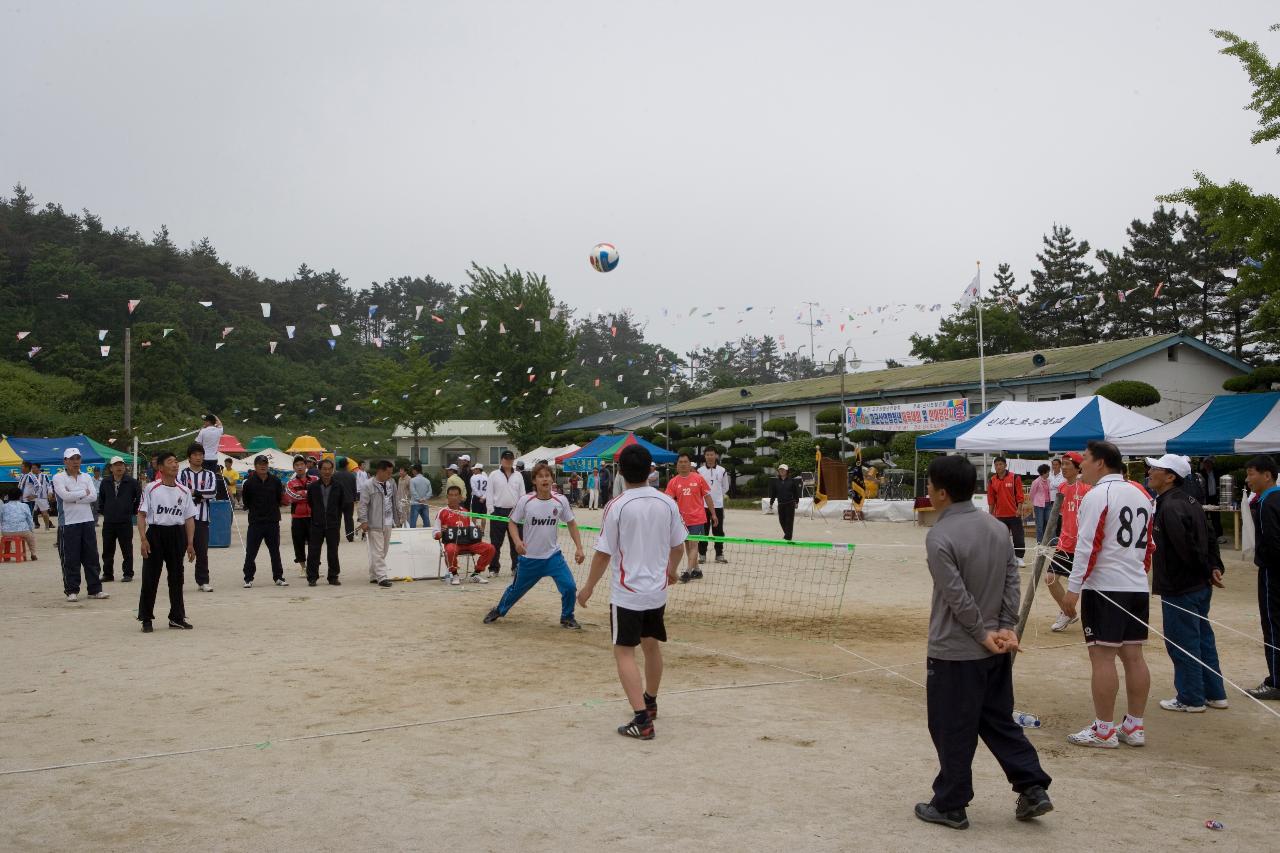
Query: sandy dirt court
x=357 y=718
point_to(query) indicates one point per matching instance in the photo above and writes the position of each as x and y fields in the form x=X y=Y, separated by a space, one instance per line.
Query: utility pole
x=810 y=324
x=692 y=355
x=128 y=379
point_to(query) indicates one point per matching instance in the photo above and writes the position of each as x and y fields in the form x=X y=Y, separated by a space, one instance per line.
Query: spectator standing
x=209 y=437
x=1042 y=499
x=454 y=478
x=653 y=479
x=325 y=501
x=76 y=496
x=347 y=479
x=717 y=478
x=506 y=487
x=1185 y=567
x=1056 y=477
x=263 y=494
x=479 y=490
x=419 y=495
x=528 y=478
x=1264 y=506
x=402 y=491
x=378 y=516
x=593 y=489
x=36 y=491
x=786 y=490
x=1004 y=501
x=118 y=499
x=295 y=495
x=202 y=482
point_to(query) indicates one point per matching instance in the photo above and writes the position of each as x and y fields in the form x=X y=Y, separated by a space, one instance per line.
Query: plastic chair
x=13 y=549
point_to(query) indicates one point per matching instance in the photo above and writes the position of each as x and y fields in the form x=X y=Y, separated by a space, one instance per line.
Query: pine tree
x=1065 y=284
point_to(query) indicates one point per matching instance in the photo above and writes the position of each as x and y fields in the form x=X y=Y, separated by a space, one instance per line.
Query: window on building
x=746 y=422
x=495 y=454
x=1172 y=353
x=424 y=455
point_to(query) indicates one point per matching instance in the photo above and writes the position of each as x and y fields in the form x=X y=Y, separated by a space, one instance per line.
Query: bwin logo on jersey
x=169 y=510
x=541 y=522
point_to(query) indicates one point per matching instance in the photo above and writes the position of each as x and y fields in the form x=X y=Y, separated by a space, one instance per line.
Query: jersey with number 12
x=1114 y=543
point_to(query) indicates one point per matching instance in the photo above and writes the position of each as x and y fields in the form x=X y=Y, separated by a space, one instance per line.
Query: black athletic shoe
x=384 y=583
x=373 y=580
x=685 y=576
x=1033 y=803
x=956 y=819
x=108 y=580
x=334 y=582
x=311 y=582
x=651 y=706
x=126 y=579
x=640 y=730
x=180 y=623
x=570 y=623
x=146 y=626
x=492 y=616
x=695 y=575
x=720 y=558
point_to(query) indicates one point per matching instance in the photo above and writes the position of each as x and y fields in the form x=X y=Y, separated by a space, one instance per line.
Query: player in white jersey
x=718 y=480
x=533 y=527
x=167 y=527
x=479 y=491
x=643 y=536
x=1109 y=582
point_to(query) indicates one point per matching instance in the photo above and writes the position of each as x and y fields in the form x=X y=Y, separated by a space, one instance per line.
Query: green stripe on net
x=730 y=540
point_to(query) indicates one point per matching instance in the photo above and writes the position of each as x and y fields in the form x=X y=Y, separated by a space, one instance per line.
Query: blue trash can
x=219 y=524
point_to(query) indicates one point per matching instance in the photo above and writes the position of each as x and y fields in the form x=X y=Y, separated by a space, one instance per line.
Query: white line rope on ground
x=378 y=729
x=873 y=663
x=1167 y=603
x=1243 y=691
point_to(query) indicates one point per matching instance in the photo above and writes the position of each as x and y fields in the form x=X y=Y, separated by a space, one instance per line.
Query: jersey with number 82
x=1114 y=544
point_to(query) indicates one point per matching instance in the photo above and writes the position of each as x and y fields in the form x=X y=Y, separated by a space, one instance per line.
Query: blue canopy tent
x=1051 y=425
x=48 y=451
x=604 y=449
x=1231 y=424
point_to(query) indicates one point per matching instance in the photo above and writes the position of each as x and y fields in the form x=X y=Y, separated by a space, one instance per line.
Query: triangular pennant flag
x=102 y=334
x=597 y=383
x=417 y=312
x=461 y=331
x=613 y=331
x=33 y=351
x=338 y=408
x=502 y=329
x=334 y=330
x=332 y=343
x=205 y=304
x=1159 y=287
x=266 y=309
x=619 y=377
x=68 y=295
x=226 y=330
x=321 y=305
x=133 y=303
x=289 y=330
x=219 y=345
x=624 y=401
x=106 y=351
x=483 y=323
x=464 y=309
x=555 y=312
x=437 y=318
x=271 y=345
x=166 y=333
x=537 y=325
x=532 y=376
x=373 y=309
x=22 y=335
x=145 y=344
x=377 y=342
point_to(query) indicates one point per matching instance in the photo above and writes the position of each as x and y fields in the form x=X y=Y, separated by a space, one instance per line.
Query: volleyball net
x=768 y=586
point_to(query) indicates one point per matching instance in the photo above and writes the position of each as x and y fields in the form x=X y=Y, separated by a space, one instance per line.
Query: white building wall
x=1184 y=384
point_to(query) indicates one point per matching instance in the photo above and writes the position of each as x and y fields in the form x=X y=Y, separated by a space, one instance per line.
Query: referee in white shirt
x=718 y=479
x=203 y=486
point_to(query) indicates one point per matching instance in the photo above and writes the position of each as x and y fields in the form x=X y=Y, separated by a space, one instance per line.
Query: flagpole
x=982 y=359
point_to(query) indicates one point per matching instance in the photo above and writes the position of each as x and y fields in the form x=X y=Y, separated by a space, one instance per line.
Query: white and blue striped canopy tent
x=1234 y=423
x=1051 y=425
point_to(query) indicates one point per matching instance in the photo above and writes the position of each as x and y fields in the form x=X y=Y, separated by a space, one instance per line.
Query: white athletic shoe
x=204 y=587
x=1174 y=705
x=1220 y=704
x=72 y=597
x=1022 y=564
x=454 y=580
x=476 y=577
x=1136 y=736
x=1089 y=737
x=281 y=582
x=101 y=595
x=1060 y=624
x=248 y=584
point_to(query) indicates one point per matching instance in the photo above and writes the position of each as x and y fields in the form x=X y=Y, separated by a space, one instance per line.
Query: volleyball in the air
x=604 y=257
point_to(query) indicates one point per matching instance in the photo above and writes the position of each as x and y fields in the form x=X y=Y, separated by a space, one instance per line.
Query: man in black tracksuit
x=328 y=500
x=1260 y=475
x=1185 y=567
x=262 y=496
x=347 y=480
x=118 y=499
x=785 y=489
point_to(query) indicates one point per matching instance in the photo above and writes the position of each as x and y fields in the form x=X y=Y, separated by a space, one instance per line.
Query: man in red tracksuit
x=1004 y=501
x=454 y=516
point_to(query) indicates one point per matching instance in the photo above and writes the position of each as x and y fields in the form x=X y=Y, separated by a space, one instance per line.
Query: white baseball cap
x=465 y=458
x=115 y=459
x=452 y=468
x=479 y=467
x=1179 y=465
x=70 y=452
x=784 y=467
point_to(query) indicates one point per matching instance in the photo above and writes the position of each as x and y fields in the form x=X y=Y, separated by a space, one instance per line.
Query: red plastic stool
x=13 y=549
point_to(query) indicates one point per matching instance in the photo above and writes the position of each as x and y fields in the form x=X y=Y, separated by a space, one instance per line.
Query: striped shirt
x=200 y=482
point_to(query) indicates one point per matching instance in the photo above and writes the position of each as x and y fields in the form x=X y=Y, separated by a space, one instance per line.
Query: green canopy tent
x=261 y=442
x=106 y=451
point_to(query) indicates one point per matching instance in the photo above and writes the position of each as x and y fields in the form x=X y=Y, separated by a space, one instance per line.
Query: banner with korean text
x=909 y=417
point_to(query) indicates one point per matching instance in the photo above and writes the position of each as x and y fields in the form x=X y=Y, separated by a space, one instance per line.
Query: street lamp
x=843 y=363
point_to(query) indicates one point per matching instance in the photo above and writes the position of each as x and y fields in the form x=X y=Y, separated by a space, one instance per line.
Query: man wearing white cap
x=479 y=490
x=1185 y=568
x=453 y=477
x=785 y=489
x=76 y=493
x=118 y=499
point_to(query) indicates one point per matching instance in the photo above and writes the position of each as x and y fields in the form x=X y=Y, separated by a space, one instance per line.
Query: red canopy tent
x=230 y=444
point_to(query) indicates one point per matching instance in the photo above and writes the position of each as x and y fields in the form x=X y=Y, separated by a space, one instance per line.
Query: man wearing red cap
x=1072 y=491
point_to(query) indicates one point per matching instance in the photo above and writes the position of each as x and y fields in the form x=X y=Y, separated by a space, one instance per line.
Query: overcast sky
x=737 y=153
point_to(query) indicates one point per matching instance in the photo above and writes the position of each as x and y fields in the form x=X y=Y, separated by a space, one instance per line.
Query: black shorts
x=1108 y=624
x=1061 y=563
x=629 y=626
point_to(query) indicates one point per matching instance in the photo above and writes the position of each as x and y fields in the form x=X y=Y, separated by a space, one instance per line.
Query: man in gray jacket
x=970 y=673
x=379 y=513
